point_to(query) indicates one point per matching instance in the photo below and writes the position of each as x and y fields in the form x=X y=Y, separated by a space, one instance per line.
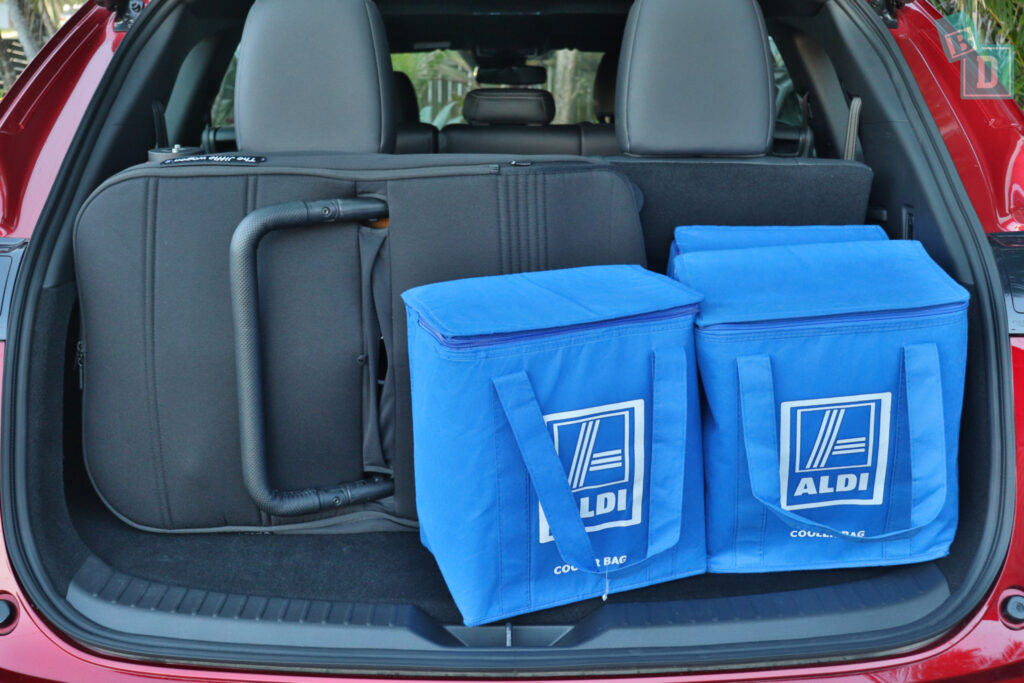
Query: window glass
x=223 y=111
x=787 y=100
x=443 y=77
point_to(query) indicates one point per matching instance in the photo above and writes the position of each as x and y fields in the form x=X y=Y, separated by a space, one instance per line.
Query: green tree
x=424 y=68
x=223 y=110
x=571 y=78
x=35 y=22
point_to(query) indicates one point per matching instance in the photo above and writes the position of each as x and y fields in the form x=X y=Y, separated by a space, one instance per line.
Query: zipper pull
x=80 y=363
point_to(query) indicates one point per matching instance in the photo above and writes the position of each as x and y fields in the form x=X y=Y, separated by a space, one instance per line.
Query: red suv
x=146 y=536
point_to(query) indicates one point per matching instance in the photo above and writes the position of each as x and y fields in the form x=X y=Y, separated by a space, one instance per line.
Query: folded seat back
x=152 y=248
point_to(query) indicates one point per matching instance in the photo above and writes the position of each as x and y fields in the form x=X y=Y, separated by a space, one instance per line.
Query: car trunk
x=375 y=602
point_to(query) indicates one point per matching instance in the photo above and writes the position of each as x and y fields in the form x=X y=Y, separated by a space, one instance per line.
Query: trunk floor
x=369 y=568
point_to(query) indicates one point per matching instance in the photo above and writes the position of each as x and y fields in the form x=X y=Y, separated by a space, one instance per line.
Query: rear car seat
x=161 y=426
x=518 y=120
x=509 y=120
x=411 y=136
x=696 y=140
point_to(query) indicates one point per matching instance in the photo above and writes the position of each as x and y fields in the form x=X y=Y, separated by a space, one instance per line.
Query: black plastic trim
x=1008 y=249
x=114 y=599
x=11 y=251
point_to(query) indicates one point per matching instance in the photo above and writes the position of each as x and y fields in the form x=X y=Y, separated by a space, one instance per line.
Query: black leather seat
x=792 y=140
x=598 y=139
x=697 y=140
x=315 y=120
x=509 y=120
x=518 y=120
x=411 y=135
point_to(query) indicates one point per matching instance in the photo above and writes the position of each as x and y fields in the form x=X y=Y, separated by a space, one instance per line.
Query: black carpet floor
x=373 y=567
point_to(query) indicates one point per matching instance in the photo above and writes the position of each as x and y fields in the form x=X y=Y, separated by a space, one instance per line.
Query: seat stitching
x=380 y=78
x=503 y=221
x=251 y=202
x=529 y=233
x=543 y=224
x=521 y=218
x=149 y=357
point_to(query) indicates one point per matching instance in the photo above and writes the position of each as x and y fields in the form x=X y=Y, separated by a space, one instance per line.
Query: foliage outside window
x=30 y=23
x=787 y=100
x=222 y=113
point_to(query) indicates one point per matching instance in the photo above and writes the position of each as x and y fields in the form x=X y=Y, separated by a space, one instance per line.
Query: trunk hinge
x=125 y=12
x=887 y=9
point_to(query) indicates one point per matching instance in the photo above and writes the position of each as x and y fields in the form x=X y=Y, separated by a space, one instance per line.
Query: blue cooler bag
x=691 y=238
x=557 y=435
x=833 y=377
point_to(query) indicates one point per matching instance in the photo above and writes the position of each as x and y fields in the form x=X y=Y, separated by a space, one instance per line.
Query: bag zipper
x=532 y=166
x=843 y=318
x=483 y=340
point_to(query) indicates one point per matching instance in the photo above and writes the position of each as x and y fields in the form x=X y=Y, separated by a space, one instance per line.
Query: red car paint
x=985 y=138
x=41 y=113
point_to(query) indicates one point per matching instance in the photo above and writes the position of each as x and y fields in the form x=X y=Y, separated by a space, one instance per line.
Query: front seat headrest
x=695 y=78
x=314 y=76
x=522 y=106
x=407 y=109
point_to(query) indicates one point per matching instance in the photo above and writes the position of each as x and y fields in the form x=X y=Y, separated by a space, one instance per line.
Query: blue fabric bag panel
x=691 y=238
x=833 y=378
x=557 y=439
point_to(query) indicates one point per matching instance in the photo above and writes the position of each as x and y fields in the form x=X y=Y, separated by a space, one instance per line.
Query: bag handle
x=923 y=388
x=548 y=475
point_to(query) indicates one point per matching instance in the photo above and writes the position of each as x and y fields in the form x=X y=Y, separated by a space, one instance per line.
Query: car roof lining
x=524 y=27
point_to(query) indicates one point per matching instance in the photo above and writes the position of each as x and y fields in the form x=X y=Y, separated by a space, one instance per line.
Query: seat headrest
x=604 y=87
x=695 y=78
x=509 y=105
x=314 y=78
x=407 y=109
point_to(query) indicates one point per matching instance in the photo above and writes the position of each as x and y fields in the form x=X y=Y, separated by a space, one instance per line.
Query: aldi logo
x=603 y=451
x=834 y=451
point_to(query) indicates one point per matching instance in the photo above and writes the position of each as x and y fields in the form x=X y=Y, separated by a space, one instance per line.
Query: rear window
x=222 y=113
x=443 y=77
x=787 y=101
